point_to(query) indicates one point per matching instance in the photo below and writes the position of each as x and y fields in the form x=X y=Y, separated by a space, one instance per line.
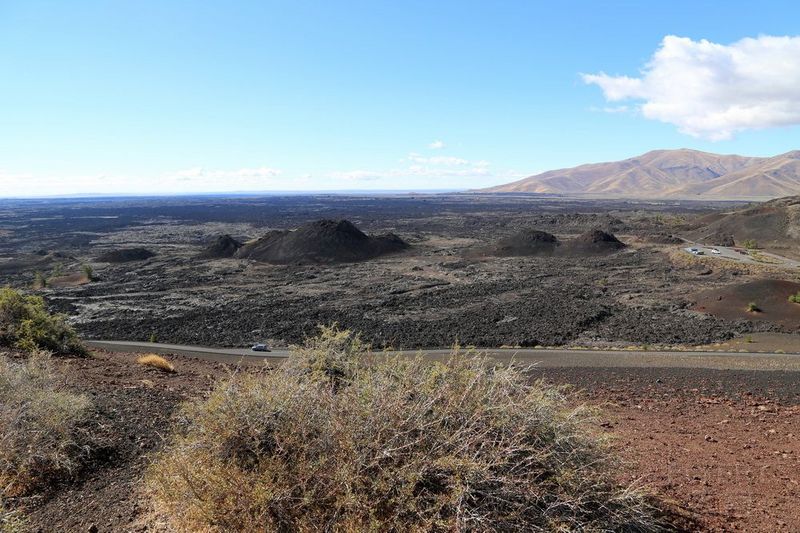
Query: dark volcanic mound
x=665 y=238
x=125 y=255
x=224 y=246
x=593 y=242
x=323 y=241
x=525 y=242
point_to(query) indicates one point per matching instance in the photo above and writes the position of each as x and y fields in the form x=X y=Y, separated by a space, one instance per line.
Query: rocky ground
x=719 y=449
x=438 y=291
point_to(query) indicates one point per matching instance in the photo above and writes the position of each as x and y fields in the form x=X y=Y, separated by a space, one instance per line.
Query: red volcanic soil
x=771 y=296
x=719 y=449
x=722 y=446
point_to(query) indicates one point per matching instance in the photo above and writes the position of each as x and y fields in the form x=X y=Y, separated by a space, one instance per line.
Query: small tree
x=88 y=271
x=58 y=270
x=795 y=298
x=750 y=244
x=39 y=281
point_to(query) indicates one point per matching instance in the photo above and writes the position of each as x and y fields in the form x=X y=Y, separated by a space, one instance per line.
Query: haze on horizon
x=181 y=97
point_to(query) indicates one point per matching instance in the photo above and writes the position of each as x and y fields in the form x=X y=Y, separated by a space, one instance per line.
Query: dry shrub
x=330 y=443
x=157 y=362
x=42 y=428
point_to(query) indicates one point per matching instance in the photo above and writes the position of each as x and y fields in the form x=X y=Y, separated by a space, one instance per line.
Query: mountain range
x=679 y=173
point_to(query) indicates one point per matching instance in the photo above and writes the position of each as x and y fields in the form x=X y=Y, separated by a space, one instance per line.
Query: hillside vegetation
x=339 y=439
x=25 y=324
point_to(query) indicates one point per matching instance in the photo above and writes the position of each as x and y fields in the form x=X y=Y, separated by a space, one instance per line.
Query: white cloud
x=713 y=90
x=438 y=160
x=195 y=179
x=436 y=145
x=421 y=171
x=259 y=173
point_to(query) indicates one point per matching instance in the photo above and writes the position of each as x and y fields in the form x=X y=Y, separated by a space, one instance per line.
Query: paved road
x=735 y=254
x=543 y=357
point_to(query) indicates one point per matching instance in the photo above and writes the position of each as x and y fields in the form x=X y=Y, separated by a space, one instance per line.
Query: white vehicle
x=260 y=348
x=715 y=251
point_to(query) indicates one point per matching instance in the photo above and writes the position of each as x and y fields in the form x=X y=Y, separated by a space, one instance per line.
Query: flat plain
x=447 y=286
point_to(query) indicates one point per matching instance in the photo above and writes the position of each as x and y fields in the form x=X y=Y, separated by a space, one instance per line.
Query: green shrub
x=752 y=307
x=58 y=270
x=41 y=426
x=26 y=324
x=11 y=520
x=88 y=271
x=795 y=298
x=337 y=439
x=39 y=281
x=750 y=244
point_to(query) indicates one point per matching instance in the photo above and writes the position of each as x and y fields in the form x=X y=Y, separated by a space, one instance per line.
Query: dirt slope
x=771 y=296
x=773 y=225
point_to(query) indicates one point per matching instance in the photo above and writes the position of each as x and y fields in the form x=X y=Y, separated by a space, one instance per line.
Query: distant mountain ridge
x=679 y=173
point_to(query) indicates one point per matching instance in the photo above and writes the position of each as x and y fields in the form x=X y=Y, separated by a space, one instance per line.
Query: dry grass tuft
x=337 y=439
x=157 y=362
x=43 y=432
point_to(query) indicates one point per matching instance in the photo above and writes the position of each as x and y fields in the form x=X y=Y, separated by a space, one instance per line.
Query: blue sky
x=171 y=96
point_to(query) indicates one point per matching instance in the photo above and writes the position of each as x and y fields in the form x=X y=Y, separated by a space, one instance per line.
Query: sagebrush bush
x=26 y=324
x=329 y=442
x=42 y=427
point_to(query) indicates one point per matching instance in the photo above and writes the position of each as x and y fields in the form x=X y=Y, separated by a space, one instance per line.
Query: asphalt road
x=734 y=254
x=546 y=358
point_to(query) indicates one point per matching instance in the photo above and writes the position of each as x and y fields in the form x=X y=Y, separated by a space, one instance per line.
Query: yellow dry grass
x=157 y=362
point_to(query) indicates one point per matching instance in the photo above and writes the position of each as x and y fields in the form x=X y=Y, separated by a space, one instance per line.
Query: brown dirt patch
x=771 y=296
x=722 y=446
x=70 y=280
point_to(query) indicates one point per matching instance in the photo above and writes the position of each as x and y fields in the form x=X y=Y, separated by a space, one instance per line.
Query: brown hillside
x=671 y=174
